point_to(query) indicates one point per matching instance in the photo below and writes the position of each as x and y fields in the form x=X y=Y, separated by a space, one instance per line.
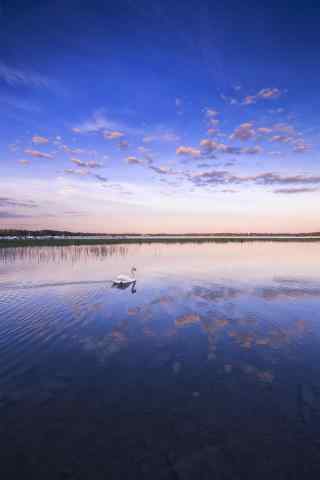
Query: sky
x=153 y=117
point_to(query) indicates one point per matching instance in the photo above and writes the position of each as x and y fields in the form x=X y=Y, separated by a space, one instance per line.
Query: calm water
x=208 y=369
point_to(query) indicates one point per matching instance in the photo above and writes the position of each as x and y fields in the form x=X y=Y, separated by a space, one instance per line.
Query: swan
x=125 y=279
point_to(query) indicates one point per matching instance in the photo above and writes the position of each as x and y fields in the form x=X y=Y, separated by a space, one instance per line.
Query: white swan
x=125 y=279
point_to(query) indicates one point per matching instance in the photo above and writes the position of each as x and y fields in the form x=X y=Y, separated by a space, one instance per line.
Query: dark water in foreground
x=208 y=369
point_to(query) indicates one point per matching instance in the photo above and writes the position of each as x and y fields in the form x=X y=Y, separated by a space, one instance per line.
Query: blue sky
x=152 y=117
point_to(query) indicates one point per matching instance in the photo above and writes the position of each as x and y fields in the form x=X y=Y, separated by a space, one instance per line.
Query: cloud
x=264 y=94
x=229 y=100
x=244 y=132
x=265 y=178
x=211 y=113
x=162 y=170
x=264 y=130
x=134 y=161
x=284 y=128
x=281 y=139
x=113 y=135
x=301 y=147
x=190 y=151
x=214 y=122
x=75 y=151
x=211 y=146
x=270 y=178
x=97 y=123
x=252 y=150
x=101 y=178
x=161 y=137
x=40 y=140
x=10 y=202
x=8 y=215
x=38 y=154
x=296 y=190
x=147 y=154
x=73 y=171
x=14 y=77
x=123 y=144
x=89 y=164
x=213 y=131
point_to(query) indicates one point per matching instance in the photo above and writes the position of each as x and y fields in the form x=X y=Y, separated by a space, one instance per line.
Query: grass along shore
x=47 y=242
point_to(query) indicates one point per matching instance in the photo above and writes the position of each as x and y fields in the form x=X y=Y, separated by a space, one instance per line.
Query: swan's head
x=133 y=270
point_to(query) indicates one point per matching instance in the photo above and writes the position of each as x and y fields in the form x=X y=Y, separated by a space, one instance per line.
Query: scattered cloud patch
x=16 y=77
x=301 y=147
x=161 y=137
x=101 y=178
x=97 y=123
x=296 y=190
x=89 y=164
x=265 y=178
x=134 y=161
x=264 y=130
x=211 y=113
x=188 y=151
x=264 y=94
x=10 y=202
x=38 y=139
x=244 y=132
x=123 y=144
x=73 y=171
x=113 y=135
x=280 y=139
x=38 y=154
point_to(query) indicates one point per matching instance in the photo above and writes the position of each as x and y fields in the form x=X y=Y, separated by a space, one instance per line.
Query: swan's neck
x=133 y=274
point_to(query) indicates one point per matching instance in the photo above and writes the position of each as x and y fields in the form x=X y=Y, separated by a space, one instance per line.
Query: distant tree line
x=66 y=233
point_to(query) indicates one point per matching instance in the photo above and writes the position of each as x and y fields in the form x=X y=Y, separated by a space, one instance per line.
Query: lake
x=207 y=368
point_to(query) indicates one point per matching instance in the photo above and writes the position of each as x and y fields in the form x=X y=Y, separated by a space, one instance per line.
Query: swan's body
x=125 y=279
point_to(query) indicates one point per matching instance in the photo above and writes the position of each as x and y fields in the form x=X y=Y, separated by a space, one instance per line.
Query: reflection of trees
x=71 y=254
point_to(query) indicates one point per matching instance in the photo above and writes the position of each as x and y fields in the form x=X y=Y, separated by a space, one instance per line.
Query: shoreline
x=74 y=241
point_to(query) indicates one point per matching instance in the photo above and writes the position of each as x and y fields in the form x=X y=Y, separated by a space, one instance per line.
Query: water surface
x=208 y=368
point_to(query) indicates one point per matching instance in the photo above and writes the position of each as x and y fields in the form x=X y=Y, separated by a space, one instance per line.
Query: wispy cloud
x=101 y=178
x=113 y=135
x=161 y=137
x=266 y=178
x=162 y=170
x=210 y=112
x=134 y=161
x=89 y=164
x=11 y=202
x=13 y=77
x=281 y=139
x=73 y=171
x=188 y=151
x=96 y=123
x=301 y=147
x=296 y=190
x=38 y=139
x=264 y=94
x=244 y=132
x=8 y=215
x=123 y=144
x=210 y=147
x=38 y=154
